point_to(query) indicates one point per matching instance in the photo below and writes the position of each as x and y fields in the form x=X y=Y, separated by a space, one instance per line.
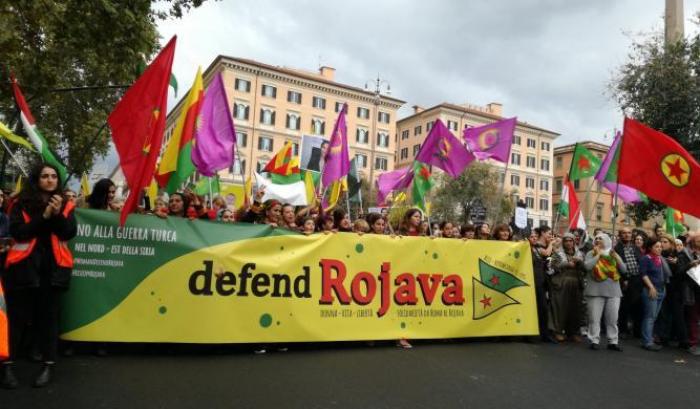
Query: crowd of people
x=632 y=285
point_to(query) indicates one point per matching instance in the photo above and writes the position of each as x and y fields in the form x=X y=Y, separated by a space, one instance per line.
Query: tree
x=659 y=85
x=53 y=46
x=456 y=198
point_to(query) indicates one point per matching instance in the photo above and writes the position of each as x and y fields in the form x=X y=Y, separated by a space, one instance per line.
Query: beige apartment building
x=597 y=204
x=271 y=105
x=529 y=174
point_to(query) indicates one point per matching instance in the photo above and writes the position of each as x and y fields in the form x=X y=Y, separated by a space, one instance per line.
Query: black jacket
x=620 y=250
x=41 y=265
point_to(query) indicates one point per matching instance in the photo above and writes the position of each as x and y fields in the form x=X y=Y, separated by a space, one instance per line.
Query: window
x=559 y=162
x=318 y=126
x=514 y=180
x=416 y=149
x=293 y=122
x=515 y=159
x=318 y=102
x=599 y=212
x=531 y=143
x=405 y=134
x=530 y=202
x=530 y=222
x=362 y=136
x=242 y=85
x=265 y=144
x=452 y=125
x=260 y=165
x=295 y=148
x=417 y=130
x=516 y=140
x=544 y=185
x=544 y=204
x=338 y=106
x=241 y=139
x=543 y=223
x=577 y=184
x=241 y=111
x=544 y=164
x=294 y=97
x=269 y=91
x=237 y=167
x=404 y=153
x=531 y=162
x=558 y=184
x=545 y=146
x=383 y=139
x=381 y=163
x=384 y=117
x=361 y=160
x=428 y=126
x=362 y=113
x=530 y=183
x=267 y=116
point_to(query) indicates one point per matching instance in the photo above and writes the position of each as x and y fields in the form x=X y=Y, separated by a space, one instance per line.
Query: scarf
x=655 y=259
x=606 y=267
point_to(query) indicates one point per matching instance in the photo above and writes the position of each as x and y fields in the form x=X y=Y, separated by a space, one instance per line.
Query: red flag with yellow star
x=137 y=123
x=655 y=164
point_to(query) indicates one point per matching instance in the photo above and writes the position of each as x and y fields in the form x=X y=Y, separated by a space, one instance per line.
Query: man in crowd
x=631 y=308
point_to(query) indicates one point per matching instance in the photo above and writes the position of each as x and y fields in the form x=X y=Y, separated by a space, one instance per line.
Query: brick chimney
x=327 y=72
x=418 y=109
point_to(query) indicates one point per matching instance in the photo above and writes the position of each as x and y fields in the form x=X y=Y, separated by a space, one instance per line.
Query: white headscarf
x=607 y=243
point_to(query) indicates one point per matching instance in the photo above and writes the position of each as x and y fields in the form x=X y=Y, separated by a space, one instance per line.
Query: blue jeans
x=651 y=310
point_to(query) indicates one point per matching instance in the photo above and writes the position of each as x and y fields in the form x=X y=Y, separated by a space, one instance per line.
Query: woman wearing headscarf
x=603 y=292
x=566 y=290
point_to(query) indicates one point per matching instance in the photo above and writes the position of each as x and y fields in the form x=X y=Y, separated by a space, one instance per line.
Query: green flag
x=201 y=188
x=422 y=182
x=674 y=222
x=354 y=183
x=584 y=164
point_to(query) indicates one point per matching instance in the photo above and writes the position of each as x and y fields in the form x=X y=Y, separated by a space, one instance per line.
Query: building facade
x=272 y=105
x=529 y=174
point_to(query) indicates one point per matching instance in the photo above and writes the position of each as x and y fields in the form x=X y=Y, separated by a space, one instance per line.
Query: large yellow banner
x=286 y=288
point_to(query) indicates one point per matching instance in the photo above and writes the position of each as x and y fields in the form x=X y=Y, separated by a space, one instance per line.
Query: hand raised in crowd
x=54 y=206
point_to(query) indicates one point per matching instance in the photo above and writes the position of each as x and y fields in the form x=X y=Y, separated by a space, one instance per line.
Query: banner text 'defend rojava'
x=202 y=282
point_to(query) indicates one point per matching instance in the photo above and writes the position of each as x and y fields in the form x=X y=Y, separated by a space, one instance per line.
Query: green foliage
x=455 y=199
x=55 y=45
x=659 y=85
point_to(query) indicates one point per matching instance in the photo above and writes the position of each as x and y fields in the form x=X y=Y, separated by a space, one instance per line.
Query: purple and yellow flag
x=337 y=160
x=607 y=175
x=397 y=179
x=491 y=141
x=215 y=134
x=443 y=150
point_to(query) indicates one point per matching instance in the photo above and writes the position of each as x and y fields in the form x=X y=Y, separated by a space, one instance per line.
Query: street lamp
x=379 y=84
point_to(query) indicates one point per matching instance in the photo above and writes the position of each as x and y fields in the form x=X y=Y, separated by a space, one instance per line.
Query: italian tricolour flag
x=33 y=133
x=569 y=207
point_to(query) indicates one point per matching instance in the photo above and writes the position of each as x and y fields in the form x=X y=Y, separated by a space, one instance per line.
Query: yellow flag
x=6 y=133
x=428 y=206
x=487 y=300
x=310 y=188
x=337 y=188
x=84 y=186
x=153 y=193
x=400 y=197
x=18 y=185
x=248 y=191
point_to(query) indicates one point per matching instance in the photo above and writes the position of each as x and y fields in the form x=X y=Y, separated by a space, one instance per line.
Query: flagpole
x=590 y=211
x=19 y=165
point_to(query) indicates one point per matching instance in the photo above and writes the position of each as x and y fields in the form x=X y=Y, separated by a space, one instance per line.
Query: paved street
x=435 y=374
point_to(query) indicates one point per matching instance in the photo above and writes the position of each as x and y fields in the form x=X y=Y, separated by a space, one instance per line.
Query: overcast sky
x=549 y=62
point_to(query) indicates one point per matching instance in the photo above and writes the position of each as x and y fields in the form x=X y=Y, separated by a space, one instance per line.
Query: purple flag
x=397 y=179
x=492 y=141
x=443 y=150
x=607 y=175
x=337 y=160
x=215 y=136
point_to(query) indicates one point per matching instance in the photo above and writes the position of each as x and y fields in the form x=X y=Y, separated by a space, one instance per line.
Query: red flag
x=137 y=124
x=658 y=166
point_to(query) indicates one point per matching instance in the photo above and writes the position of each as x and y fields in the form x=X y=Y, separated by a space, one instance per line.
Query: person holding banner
x=411 y=223
x=376 y=222
x=288 y=218
x=39 y=267
x=603 y=292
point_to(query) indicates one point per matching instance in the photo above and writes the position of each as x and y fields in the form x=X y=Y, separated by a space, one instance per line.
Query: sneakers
x=594 y=347
x=653 y=347
x=615 y=347
x=44 y=377
x=403 y=343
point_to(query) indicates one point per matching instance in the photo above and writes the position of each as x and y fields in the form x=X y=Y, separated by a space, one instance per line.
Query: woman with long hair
x=39 y=267
x=483 y=231
x=102 y=195
x=411 y=223
x=501 y=232
x=654 y=272
x=377 y=224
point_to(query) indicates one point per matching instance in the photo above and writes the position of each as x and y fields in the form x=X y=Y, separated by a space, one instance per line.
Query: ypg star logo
x=490 y=290
x=443 y=149
x=488 y=139
x=676 y=169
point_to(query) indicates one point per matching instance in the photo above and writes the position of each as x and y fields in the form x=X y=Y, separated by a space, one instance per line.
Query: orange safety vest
x=4 y=332
x=22 y=249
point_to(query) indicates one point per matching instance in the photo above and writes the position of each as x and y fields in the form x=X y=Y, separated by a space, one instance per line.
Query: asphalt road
x=436 y=374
